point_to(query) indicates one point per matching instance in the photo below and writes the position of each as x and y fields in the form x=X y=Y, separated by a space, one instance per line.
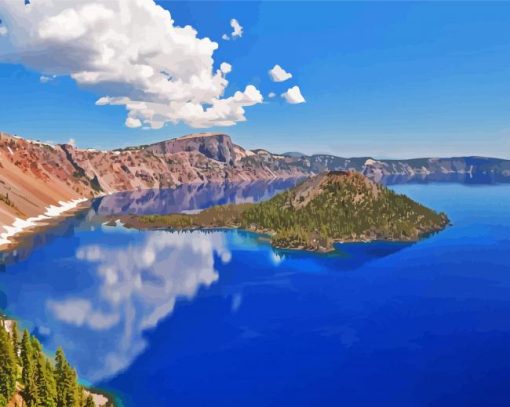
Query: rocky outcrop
x=215 y=146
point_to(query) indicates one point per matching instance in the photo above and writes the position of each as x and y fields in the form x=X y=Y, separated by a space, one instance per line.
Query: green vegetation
x=8 y=368
x=39 y=381
x=335 y=206
x=342 y=207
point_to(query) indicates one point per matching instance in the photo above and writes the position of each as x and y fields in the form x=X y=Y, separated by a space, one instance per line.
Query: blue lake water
x=220 y=318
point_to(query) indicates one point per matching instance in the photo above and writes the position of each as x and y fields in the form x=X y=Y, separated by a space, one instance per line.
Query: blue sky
x=381 y=79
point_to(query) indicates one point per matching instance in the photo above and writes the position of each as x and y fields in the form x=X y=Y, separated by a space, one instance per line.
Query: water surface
x=220 y=318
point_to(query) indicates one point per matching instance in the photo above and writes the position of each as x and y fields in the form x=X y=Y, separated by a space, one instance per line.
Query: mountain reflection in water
x=189 y=197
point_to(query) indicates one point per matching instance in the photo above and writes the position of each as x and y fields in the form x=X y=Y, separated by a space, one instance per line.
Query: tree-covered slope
x=341 y=206
x=29 y=378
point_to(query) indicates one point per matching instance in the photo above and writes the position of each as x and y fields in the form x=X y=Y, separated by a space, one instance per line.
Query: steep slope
x=34 y=176
x=330 y=207
x=215 y=146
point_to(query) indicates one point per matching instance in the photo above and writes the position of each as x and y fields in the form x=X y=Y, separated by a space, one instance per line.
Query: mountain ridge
x=35 y=175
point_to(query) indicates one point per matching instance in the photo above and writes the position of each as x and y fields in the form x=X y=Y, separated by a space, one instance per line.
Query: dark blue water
x=221 y=319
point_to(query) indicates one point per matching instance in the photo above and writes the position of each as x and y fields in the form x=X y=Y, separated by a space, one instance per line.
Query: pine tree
x=15 y=340
x=68 y=390
x=8 y=367
x=89 y=402
x=43 y=386
x=50 y=376
x=28 y=373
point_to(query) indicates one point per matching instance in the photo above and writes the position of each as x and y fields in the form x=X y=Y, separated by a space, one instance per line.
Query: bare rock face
x=216 y=146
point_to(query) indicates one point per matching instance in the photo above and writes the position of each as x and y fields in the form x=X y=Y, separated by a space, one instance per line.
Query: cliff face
x=35 y=175
x=218 y=147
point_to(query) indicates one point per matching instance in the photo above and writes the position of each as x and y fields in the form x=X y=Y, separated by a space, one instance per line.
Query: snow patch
x=52 y=211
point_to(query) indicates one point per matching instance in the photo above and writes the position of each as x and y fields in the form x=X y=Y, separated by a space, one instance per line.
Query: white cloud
x=293 y=95
x=3 y=31
x=46 y=79
x=237 y=30
x=130 y=51
x=271 y=95
x=71 y=142
x=133 y=123
x=278 y=74
x=220 y=112
x=225 y=68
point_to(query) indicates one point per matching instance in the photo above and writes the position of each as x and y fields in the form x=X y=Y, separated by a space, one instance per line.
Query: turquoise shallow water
x=220 y=318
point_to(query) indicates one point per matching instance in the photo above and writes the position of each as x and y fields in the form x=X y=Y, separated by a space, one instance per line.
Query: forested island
x=29 y=378
x=336 y=206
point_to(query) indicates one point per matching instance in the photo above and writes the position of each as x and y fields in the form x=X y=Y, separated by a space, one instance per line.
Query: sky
x=387 y=80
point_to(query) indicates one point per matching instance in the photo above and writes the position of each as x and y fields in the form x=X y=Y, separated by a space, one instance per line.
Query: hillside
x=28 y=377
x=331 y=207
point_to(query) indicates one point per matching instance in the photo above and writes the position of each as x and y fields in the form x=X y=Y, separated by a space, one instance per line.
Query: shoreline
x=264 y=234
x=12 y=234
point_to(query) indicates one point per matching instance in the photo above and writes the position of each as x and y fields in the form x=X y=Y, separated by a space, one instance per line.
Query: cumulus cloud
x=133 y=123
x=271 y=95
x=46 y=79
x=220 y=112
x=278 y=74
x=131 y=52
x=225 y=68
x=293 y=95
x=237 y=30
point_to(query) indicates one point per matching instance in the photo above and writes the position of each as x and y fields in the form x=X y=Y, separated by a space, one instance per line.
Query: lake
x=220 y=318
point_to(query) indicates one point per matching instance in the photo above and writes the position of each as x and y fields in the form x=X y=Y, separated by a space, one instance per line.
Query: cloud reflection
x=138 y=286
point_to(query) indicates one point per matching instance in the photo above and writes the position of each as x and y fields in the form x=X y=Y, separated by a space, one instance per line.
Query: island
x=335 y=206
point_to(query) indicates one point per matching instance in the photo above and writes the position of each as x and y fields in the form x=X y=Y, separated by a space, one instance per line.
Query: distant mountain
x=34 y=175
x=294 y=154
